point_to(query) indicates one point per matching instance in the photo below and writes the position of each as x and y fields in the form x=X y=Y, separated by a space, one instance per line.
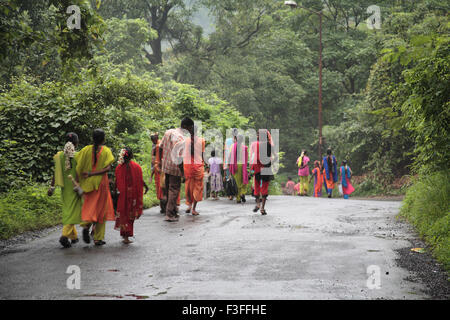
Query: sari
x=71 y=202
x=98 y=206
x=155 y=163
x=330 y=174
x=318 y=182
x=130 y=183
x=194 y=170
x=347 y=188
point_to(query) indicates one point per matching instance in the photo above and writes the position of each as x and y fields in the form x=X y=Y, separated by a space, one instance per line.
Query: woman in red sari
x=130 y=184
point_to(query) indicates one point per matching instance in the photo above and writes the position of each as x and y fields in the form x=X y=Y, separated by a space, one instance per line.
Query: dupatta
x=85 y=163
x=234 y=161
x=327 y=169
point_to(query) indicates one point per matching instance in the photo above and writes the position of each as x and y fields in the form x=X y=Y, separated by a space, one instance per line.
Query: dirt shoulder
x=380 y=198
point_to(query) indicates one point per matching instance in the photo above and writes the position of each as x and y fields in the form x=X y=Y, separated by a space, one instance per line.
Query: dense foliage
x=139 y=66
x=427 y=207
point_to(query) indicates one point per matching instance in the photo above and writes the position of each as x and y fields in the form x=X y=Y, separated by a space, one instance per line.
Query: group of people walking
x=325 y=175
x=86 y=188
x=176 y=159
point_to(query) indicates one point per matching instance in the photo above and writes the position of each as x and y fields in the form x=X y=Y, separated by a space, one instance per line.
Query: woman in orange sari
x=318 y=179
x=130 y=184
x=156 y=172
x=194 y=171
x=93 y=164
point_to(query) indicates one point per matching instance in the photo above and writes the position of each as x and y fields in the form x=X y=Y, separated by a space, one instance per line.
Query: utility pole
x=294 y=4
x=320 y=85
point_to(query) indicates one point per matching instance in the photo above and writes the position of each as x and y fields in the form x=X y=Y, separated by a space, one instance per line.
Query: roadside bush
x=427 y=207
x=34 y=121
x=28 y=208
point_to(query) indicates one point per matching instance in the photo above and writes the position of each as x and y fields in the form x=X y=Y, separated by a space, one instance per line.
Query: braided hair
x=330 y=161
x=98 y=137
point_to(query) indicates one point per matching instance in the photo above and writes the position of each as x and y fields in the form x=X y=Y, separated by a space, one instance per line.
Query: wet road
x=305 y=248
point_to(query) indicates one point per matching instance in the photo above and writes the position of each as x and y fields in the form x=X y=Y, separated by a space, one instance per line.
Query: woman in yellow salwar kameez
x=93 y=173
x=65 y=167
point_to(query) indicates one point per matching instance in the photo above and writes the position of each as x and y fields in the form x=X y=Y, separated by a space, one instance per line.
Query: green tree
x=35 y=39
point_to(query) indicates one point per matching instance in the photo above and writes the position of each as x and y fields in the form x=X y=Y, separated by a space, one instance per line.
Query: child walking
x=130 y=184
x=215 y=175
x=64 y=174
x=93 y=164
x=346 y=174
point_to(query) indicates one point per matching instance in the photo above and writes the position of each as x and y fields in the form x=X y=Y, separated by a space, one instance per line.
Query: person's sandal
x=75 y=241
x=65 y=242
x=86 y=235
x=100 y=243
x=256 y=209
x=263 y=212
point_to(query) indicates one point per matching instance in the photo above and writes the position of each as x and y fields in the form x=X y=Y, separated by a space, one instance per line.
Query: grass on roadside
x=427 y=207
x=28 y=208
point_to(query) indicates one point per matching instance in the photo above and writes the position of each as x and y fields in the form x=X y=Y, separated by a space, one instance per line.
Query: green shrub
x=427 y=207
x=28 y=208
x=34 y=121
x=367 y=187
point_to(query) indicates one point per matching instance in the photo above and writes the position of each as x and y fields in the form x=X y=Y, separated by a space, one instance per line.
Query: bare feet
x=195 y=213
x=188 y=210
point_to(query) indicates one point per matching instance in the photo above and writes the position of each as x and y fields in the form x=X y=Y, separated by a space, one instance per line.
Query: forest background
x=139 y=66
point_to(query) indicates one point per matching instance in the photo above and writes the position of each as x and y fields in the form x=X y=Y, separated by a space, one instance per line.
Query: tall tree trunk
x=156 y=56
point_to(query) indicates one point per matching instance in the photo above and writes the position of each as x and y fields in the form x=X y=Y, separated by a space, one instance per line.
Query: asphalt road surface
x=305 y=248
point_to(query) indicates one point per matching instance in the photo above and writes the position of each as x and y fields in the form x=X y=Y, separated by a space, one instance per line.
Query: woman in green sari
x=64 y=176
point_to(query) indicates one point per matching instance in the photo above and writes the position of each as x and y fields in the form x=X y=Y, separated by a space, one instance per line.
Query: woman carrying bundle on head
x=130 y=183
x=65 y=177
x=93 y=164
